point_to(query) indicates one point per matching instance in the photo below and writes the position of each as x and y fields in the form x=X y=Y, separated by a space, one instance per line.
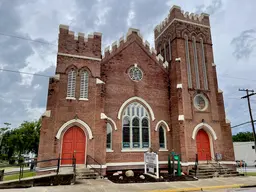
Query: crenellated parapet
x=79 y=44
x=177 y=14
x=124 y=40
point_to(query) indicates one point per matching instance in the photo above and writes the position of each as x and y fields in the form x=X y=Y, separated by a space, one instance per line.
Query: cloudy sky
x=23 y=97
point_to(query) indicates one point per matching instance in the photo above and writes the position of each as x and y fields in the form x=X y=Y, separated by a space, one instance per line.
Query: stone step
x=86 y=170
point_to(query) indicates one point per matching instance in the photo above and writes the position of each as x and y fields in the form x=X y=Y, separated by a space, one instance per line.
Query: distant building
x=114 y=107
x=245 y=151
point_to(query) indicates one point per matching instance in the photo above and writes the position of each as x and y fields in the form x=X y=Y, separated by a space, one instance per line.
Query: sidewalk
x=107 y=186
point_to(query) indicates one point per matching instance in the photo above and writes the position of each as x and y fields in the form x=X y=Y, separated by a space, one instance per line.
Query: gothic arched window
x=71 y=89
x=135 y=127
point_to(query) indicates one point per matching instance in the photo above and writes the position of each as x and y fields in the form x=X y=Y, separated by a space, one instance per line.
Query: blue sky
x=23 y=97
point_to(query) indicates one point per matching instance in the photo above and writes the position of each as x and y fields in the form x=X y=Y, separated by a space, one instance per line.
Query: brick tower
x=198 y=121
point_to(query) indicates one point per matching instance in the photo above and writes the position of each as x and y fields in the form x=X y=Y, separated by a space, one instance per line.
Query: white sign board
x=151 y=164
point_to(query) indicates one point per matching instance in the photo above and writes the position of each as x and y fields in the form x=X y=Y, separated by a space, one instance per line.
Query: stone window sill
x=134 y=150
x=70 y=98
x=83 y=99
x=163 y=149
x=109 y=151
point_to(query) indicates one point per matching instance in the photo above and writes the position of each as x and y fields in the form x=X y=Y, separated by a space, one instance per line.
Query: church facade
x=113 y=107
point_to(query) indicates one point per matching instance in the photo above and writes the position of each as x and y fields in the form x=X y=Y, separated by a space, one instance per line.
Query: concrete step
x=84 y=170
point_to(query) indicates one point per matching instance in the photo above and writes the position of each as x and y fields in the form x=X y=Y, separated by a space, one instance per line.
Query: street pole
x=250 y=111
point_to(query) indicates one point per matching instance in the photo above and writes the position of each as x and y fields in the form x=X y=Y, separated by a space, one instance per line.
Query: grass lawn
x=16 y=176
x=251 y=174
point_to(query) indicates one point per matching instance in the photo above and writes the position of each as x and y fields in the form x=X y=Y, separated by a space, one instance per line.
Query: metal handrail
x=196 y=164
x=35 y=162
x=218 y=167
x=95 y=169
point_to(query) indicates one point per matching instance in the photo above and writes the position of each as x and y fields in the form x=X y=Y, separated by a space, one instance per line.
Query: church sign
x=151 y=164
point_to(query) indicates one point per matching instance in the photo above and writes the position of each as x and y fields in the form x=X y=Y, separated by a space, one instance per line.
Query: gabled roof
x=132 y=36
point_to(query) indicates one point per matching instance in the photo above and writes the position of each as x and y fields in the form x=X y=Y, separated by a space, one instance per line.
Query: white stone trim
x=179 y=86
x=181 y=118
x=57 y=76
x=207 y=128
x=79 y=56
x=227 y=121
x=71 y=98
x=97 y=166
x=163 y=122
x=83 y=99
x=98 y=81
x=162 y=149
x=228 y=162
x=132 y=163
x=47 y=113
x=134 y=150
x=109 y=150
x=104 y=116
x=65 y=125
x=178 y=59
x=139 y=99
x=180 y=20
x=220 y=91
x=160 y=163
x=213 y=64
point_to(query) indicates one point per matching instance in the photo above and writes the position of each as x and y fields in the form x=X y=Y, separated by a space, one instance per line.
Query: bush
x=12 y=161
x=21 y=160
x=3 y=156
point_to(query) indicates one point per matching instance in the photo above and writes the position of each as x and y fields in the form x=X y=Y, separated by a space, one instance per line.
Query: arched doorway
x=74 y=142
x=203 y=145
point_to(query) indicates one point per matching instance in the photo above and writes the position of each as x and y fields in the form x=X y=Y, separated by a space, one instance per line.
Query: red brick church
x=113 y=107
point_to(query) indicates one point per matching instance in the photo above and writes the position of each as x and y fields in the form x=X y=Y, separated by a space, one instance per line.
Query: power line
x=242 y=124
x=240 y=78
x=24 y=38
x=26 y=73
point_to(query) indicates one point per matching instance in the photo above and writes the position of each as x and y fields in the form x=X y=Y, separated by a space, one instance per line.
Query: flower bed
x=164 y=177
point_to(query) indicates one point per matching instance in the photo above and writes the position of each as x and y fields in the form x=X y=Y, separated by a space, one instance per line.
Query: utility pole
x=250 y=110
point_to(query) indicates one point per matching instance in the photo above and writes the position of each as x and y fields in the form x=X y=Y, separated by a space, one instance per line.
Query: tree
x=21 y=140
x=243 y=136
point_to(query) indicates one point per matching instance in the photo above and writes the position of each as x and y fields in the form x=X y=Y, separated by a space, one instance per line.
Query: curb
x=203 y=188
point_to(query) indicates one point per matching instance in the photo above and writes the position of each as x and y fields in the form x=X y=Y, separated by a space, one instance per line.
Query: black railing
x=90 y=161
x=215 y=163
x=32 y=166
x=196 y=164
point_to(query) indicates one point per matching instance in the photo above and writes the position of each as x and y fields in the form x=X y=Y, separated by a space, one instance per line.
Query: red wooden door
x=73 y=143
x=203 y=145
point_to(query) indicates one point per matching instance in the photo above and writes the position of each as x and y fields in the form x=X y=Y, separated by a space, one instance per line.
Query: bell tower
x=196 y=103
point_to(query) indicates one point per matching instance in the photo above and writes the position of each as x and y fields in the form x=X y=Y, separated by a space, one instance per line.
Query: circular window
x=200 y=102
x=135 y=73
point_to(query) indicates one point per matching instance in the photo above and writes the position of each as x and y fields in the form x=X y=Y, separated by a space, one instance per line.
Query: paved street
x=107 y=186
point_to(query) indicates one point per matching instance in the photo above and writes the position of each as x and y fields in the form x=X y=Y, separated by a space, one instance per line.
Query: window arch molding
x=162 y=123
x=140 y=100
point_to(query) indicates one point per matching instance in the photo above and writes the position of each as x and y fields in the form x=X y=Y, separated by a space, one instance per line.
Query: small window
x=162 y=138
x=253 y=147
x=84 y=85
x=71 y=84
x=109 y=136
x=135 y=73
